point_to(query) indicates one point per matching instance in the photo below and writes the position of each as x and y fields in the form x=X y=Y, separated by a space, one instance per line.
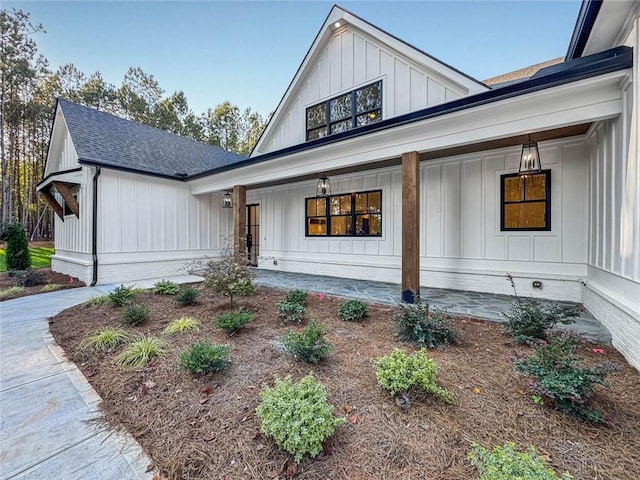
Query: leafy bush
x=226 y=275
x=558 y=374
x=140 y=352
x=297 y=296
x=290 y=312
x=243 y=287
x=182 y=324
x=17 y=251
x=309 y=346
x=186 y=296
x=352 y=310
x=528 y=320
x=232 y=321
x=122 y=296
x=166 y=287
x=106 y=339
x=399 y=373
x=507 y=463
x=205 y=357
x=8 y=292
x=29 y=278
x=297 y=415
x=135 y=313
x=424 y=328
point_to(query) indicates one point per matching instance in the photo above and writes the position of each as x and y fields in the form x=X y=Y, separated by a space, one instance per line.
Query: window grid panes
x=526 y=202
x=345 y=215
x=357 y=108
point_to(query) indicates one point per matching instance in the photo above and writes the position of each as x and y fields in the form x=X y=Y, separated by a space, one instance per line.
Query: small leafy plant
x=507 y=463
x=122 y=296
x=135 y=313
x=166 y=287
x=232 y=321
x=297 y=415
x=352 y=311
x=186 y=296
x=558 y=374
x=29 y=277
x=106 y=339
x=227 y=275
x=290 y=311
x=418 y=325
x=399 y=373
x=297 y=296
x=140 y=352
x=205 y=357
x=310 y=346
x=182 y=324
x=243 y=287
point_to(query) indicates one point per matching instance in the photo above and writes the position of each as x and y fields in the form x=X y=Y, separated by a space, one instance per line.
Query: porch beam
x=51 y=200
x=68 y=197
x=239 y=218
x=410 y=227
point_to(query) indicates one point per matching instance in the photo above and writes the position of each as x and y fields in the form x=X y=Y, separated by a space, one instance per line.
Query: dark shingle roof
x=110 y=141
x=521 y=74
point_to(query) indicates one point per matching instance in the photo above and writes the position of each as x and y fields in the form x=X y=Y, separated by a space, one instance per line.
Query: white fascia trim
x=588 y=100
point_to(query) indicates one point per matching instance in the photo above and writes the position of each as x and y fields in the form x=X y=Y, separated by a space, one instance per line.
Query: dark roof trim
x=613 y=60
x=55 y=174
x=97 y=163
x=584 y=24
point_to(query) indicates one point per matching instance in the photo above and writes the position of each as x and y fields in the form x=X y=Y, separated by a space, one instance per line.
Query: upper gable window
x=350 y=110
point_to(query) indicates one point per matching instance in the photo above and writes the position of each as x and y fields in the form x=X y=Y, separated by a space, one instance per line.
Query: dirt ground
x=61 y=281
x=206 y=428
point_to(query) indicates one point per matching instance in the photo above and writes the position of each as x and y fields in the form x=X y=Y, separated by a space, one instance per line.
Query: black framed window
x=346 y=215
x=75 y=190
x=525 y=201
x=357 y=108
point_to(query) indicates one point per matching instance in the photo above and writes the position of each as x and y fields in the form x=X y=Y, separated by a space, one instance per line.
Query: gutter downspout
x=94 y=228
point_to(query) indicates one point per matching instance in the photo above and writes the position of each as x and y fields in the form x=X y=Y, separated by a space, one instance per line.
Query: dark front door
x=253 y=233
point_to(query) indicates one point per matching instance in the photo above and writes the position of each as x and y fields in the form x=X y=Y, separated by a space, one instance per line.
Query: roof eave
x=584 y=24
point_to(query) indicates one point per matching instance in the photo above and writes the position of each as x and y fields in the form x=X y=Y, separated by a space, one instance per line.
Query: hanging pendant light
x=324 y=187
x=227 y=200
x=530 y=158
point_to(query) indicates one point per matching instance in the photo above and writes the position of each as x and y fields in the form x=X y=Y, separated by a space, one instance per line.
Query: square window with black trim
x=525 y=201
x=346 y=215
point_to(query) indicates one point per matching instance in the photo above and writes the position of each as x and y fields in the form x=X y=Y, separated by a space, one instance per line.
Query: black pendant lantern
x=530 y=158
x=227 y=200
x=324 y=187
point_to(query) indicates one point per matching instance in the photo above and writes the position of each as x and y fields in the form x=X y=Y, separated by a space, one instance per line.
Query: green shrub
x=352 y=311
x=17 y=251
x=559 y=374
x=507 y=463
x=232 y=321
x=297 y=296
x=243 y=287
x=135 y=313
x=166 y=287
x=140 y=352
x=297 y=415
x=205 y=357
x=106 y=339
x=182 y=324
x=309 y=346
x=29 y=278
x=290 y=312
x=121 y=296
x=9 y=292
x=186 y=296
x=229 y=273
x=424 y=328
x=399 y=373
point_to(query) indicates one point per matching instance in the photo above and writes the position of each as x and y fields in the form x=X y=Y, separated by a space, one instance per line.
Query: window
x=354 y=109
x=346 y=215
x=526 y=202
x=74 y=191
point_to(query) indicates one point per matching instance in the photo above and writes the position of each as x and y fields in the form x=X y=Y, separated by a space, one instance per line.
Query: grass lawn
x=40 y=257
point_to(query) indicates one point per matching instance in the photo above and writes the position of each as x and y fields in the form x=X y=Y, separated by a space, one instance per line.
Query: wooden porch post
x=410 y=227
x=240 y=218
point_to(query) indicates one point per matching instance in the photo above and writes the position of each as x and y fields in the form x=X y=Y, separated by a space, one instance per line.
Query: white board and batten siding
x=350 y=60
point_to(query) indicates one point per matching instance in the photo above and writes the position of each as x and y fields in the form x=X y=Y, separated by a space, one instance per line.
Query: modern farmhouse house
x=382 y=162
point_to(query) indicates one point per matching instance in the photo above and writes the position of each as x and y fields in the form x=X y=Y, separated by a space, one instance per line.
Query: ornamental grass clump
x=352 y=311
x=135 y=313
x=297 y=415
x=422 y=327
x=558 y=374
x=400 y=373
x=233 y=321
x=204 y=357
x=310 y=346
x=122 y=296
x=186 y=296
x=106 y=339
x=166 y=287
x=290 y=312
x=140 y=352
x=507 y=463
x=182 y=324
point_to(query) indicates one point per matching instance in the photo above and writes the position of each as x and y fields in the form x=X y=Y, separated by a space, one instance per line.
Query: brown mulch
x=62 y=282
x=206 y=428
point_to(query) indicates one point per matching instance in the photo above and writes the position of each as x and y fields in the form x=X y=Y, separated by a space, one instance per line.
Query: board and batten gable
x=352 y=56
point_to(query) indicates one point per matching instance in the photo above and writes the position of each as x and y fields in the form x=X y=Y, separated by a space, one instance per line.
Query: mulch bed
x=205 y=427
x=61 y=281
